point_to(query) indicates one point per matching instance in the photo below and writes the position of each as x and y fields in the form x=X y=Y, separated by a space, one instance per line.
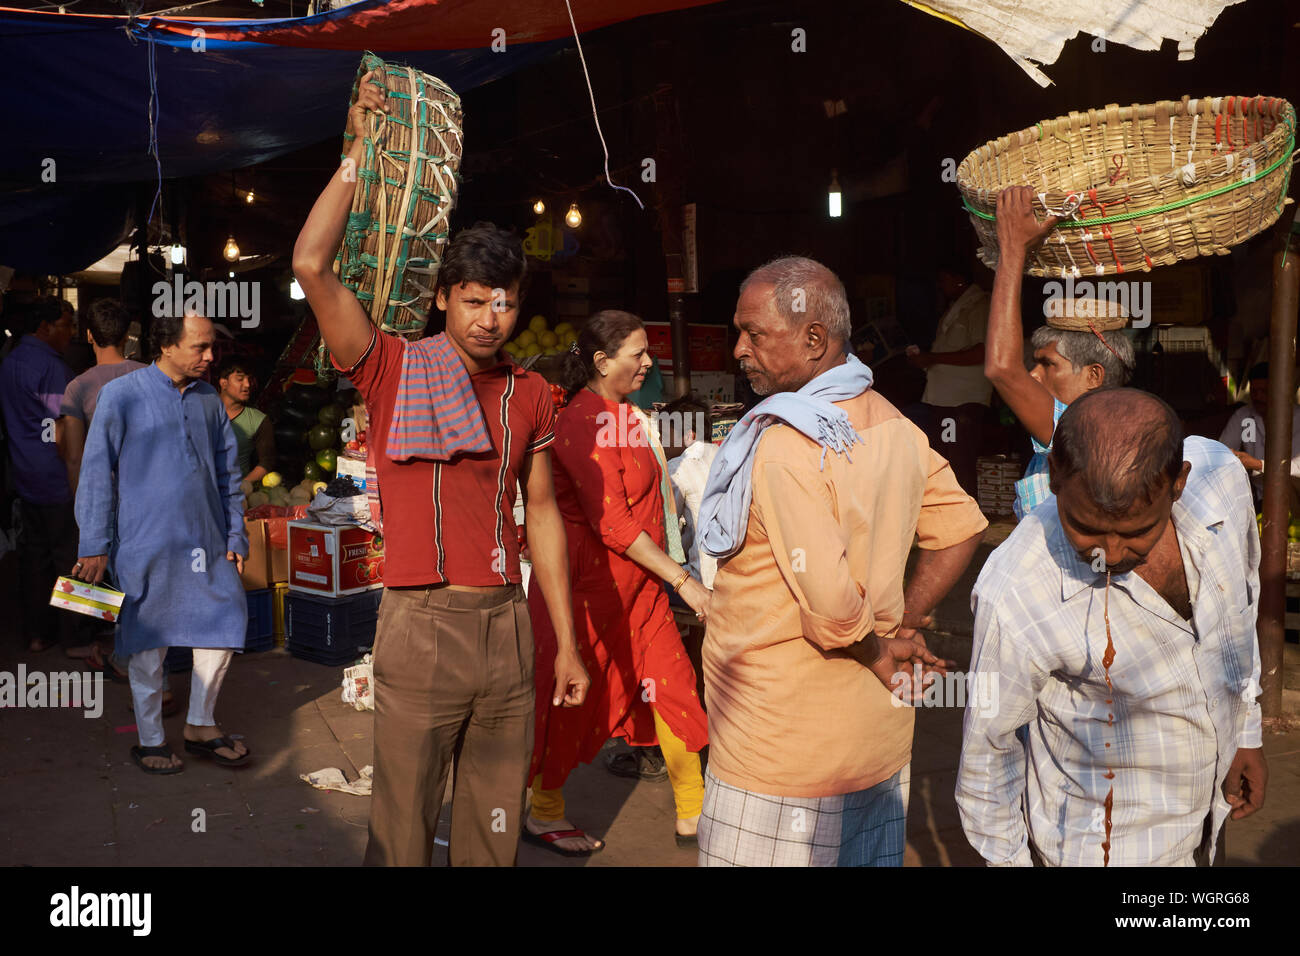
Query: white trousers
x=147 y=679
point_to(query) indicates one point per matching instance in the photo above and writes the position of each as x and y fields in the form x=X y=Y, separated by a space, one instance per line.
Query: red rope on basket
x=1104 y=342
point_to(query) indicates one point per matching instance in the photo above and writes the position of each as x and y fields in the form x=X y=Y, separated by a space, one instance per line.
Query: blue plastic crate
x=260 y=635
x=330 y=630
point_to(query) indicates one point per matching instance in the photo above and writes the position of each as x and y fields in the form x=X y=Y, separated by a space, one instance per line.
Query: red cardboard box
x=333 y=561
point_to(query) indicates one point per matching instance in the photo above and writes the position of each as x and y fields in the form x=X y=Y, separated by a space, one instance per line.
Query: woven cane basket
x=406 y=187
x=1140 y=186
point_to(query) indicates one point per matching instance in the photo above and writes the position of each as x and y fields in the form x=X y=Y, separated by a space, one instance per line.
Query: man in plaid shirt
x=1118 y=621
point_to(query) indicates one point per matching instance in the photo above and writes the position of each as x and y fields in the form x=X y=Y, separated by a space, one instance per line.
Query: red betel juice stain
x=1105 y=846
x=1107 y=659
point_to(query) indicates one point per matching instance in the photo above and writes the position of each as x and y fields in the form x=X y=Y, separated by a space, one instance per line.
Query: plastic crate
x=278 y=594
x=330 y=630
x=260 y=635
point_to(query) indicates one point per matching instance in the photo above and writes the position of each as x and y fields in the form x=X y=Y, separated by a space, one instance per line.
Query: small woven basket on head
x=406 y=187
x=1139 y=186
x=1085 y=314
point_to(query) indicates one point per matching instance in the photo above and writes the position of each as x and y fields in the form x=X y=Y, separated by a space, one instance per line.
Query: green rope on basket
x=1179 y=204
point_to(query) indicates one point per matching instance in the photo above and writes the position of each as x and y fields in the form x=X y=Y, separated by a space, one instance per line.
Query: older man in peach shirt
x=814 y=504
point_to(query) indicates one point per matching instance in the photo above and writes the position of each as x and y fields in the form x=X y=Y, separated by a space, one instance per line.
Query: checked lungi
x=865 y=828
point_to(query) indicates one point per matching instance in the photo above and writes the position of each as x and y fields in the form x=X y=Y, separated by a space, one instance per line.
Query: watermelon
x=314 y=472
x=322 y=436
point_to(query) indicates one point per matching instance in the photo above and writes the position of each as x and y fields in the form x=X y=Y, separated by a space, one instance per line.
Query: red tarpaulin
x=397 y=25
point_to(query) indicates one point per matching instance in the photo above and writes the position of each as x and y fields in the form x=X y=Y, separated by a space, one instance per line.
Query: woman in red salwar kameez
x=610 y=484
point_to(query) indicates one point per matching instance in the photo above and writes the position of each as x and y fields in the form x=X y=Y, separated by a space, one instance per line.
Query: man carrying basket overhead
x=1070 y=359
x=456 y=425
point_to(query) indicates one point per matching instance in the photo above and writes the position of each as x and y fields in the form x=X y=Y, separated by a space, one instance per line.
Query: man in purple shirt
x=32 y=380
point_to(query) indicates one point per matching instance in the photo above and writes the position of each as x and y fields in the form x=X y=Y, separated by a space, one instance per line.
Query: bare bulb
x=231 y=251
x=539 y=207
x=249 y=198
x=573 y=218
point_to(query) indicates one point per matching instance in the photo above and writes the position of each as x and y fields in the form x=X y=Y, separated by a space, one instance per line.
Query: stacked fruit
x=310 y=431
x=1292 y=528
x=540 y=339
x=272 y=491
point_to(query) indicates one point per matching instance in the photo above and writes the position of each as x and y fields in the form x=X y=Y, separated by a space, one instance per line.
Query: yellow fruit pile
x=539 y=339
x=271 y=491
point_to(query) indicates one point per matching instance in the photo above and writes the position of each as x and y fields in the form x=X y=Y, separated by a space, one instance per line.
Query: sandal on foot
x=687 y=841
x=548 y=840
x=209 y=748
x=139 y=753
x=641 y=763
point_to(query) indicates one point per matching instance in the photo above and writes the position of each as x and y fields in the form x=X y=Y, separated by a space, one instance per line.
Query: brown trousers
x=453 y=683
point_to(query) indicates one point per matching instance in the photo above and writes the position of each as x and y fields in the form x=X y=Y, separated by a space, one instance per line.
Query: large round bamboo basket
x=406 y=187
x=1140 y=186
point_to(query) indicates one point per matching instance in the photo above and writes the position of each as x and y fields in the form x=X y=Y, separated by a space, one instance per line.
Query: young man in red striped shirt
x=454 y=426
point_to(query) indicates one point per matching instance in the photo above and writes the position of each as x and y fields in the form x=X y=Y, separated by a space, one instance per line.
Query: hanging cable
x=594 y=114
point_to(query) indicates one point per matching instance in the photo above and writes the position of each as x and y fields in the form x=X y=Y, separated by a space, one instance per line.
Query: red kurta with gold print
x=607 y=485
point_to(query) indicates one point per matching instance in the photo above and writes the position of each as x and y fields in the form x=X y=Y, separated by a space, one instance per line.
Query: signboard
x=708 y=346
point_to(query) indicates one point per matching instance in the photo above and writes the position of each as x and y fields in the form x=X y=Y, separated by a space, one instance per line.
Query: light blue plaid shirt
x=1035 y=488
x=1184 y=692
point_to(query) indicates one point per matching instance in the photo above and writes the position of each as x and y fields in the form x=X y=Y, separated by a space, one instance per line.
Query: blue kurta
x=159 y=494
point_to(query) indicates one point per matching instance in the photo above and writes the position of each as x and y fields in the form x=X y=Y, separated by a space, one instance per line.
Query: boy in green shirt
x=252 y=428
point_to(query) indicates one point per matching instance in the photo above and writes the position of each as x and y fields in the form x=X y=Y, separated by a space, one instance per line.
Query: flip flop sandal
x=139 y=753
x=209 y=748
x=687 y=841
x=639 y=764
x=548 y=840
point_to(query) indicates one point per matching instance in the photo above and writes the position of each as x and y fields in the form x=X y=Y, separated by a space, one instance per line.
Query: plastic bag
x=359 y=685
x=328 y=510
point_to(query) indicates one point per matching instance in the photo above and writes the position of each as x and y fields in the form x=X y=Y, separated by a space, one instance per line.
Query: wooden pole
x=668 y=179
x=1277 y=475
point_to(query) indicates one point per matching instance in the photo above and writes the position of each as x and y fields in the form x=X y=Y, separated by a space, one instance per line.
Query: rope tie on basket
x=1104 y=342
x=1287 y=157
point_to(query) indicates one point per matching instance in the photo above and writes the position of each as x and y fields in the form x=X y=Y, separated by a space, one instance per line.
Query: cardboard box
x=92 y=599
x=334 y=561
x=257 y=566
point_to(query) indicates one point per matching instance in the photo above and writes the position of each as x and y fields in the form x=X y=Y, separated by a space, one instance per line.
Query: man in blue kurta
x=158 y=503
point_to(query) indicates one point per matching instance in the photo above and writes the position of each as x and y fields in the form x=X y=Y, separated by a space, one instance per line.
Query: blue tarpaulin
x=79 y=118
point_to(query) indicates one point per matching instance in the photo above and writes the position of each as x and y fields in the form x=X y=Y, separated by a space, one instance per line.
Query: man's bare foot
x=81 y=653
x=202 y=734
x=688 y=826
x=584 y=842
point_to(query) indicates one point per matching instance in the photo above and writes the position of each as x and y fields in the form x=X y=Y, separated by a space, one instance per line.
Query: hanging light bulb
x=232 y=275
x=573 y=218
x=539 y=207
x=178 y=254
x=249 y=198
x=231 y=252
x=295 y=291
x=833 y=197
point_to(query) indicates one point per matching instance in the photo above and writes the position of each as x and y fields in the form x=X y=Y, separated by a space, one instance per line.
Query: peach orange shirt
x=790 y=713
